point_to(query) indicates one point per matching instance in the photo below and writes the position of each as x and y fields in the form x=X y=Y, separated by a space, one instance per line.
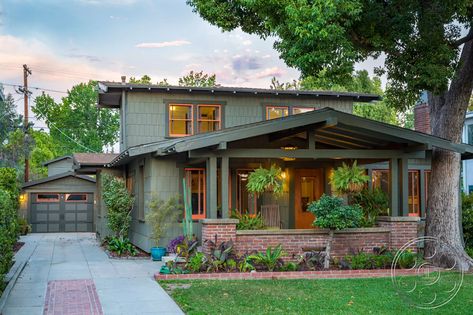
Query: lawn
x=324 y=296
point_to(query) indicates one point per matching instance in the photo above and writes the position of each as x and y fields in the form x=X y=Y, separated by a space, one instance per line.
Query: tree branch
x=465 y=39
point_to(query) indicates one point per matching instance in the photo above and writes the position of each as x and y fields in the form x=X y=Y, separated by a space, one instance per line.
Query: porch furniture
x=271 y=216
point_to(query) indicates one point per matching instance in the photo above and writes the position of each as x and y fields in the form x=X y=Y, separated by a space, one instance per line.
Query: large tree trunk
x=447 y=115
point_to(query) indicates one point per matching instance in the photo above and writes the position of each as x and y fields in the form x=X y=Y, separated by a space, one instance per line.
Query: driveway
x=68 y=273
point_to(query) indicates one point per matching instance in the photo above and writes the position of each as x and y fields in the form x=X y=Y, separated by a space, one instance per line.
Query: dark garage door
x=62 y=212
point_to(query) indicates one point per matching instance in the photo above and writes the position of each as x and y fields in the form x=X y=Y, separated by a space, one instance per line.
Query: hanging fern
x=266 y=180
x=348 y=179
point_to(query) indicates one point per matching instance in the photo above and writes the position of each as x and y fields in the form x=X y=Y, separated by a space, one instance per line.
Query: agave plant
x=270 y=259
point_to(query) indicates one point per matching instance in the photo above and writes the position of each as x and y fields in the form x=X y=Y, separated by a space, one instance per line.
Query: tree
x=76 y=122
x=9 y=119
x=199 y=79
x=424 y=49
x=146 y=79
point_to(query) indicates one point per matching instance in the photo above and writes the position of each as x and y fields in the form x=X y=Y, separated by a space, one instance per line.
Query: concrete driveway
x=68 y=273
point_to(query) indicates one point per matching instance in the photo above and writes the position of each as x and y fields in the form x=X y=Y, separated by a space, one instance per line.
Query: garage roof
x=56 y=177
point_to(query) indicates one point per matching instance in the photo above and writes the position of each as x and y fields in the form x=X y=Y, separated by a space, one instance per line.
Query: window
x=273 y=112
x=469 y=131
x=245 y=201
x=208 y=118
x=76 y=197
x=181 y=120
x=301 y=110
x=380 y=179
x=414 y=205
x=47 y=197
x=309 y=187
x=196 y=185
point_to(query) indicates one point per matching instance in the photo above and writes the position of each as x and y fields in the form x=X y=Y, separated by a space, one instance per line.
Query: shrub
x=121 y=246
x=119 y=203
x=8 y=231
x=373 y=203
x=348 y=179
x=172 y=245
x=162 y=214
x=196 y=262
x=266 y=180
x=248 y=222
x=469 y=251
x=290 y=266
x=331 y=213
x=467 y=219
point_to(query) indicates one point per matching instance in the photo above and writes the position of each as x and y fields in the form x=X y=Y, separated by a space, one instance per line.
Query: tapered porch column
x=404 y=202
x=394 y=187
x=224 y=185
x=212 y=187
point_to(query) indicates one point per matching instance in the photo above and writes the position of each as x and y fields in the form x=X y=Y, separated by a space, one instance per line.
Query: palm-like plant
x=270 y=259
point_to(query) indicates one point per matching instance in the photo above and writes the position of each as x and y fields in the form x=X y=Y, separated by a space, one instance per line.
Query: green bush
x=119 y=203
x=269 y=259
x=467 y=219
x=331 y=213
x=196 y=262
x=121 y=246
x=373 y=203
x=248 y=222
x=8 y=231
x=469 y=251
x=161 y=215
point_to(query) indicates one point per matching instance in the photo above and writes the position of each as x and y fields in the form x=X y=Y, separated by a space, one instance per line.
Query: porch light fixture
x=287 y=159
x=289 y=147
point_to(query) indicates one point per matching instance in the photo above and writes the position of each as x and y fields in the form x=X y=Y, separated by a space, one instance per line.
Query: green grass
x=324 y=296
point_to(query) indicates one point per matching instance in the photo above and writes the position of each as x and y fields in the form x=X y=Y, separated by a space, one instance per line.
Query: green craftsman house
x=214 y=137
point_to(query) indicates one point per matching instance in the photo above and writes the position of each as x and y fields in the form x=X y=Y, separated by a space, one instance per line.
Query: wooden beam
x=338 y=133
x=306 y=153
x=350 y=144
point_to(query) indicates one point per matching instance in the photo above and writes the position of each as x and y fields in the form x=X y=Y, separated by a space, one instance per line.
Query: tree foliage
x=76 y=122
x=198 y=79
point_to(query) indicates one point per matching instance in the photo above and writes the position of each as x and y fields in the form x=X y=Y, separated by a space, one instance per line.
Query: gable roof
x=110 y=92
x=64 y=157
x=378 y=130
x=56 y=177
x=93 y=158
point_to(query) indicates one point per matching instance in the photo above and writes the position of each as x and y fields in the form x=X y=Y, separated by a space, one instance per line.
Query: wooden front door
x=309 y=186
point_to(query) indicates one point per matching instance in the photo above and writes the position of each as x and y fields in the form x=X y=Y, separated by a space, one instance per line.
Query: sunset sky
x=67 y=42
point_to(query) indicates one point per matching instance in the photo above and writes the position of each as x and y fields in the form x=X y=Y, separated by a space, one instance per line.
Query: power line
x=33 y=87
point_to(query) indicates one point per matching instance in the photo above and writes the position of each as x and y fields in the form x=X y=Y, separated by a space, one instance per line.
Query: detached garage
x=61 y=203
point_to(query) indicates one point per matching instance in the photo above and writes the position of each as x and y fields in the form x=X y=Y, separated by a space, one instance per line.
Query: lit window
x=273 y=112
x=380 y=180
x=301 y=110
x=180 y=120
x=76 y=197
x=246 y=201
x=47 y=198
x=195 y=182
x=208 y=118
x=414 y=206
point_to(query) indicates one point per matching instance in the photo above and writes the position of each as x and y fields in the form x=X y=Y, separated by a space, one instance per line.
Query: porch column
x=212 y=187
x=224 y=185
x=394 y=187
x=422 y=192
x=404 y=166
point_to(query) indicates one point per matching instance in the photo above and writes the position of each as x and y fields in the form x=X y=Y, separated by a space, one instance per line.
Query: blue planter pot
x=157 y=253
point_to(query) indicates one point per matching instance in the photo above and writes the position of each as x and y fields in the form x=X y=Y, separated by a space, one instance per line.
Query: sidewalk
x=122 y=286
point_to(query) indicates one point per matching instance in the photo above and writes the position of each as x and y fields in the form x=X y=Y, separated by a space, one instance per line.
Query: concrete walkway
x=123 y=286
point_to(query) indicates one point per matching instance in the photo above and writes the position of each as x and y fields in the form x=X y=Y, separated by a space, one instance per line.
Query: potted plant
x=266 y=180
x=348 y=180
x=161 y=214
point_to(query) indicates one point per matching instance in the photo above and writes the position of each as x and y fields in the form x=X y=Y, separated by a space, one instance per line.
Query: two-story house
x=214 y=137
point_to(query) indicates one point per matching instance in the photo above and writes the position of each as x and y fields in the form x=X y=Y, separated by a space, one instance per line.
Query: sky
x=71 y=41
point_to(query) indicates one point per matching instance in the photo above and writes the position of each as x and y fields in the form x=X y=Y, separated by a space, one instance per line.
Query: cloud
x=269 y=72
x=246 y=42
x=174 y=43
x=245 y=63
x=107 y=2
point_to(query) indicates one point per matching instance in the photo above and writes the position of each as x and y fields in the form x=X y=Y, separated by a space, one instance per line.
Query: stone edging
x=20 y=265
x=329 y=274
x=398 y=219
x=312 y=231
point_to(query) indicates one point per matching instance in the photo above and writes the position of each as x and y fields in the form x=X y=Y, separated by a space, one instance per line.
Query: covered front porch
x=307 y=147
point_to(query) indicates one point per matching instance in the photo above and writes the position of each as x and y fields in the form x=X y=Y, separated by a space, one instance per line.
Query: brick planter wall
x=403 y=230
x=392 y=232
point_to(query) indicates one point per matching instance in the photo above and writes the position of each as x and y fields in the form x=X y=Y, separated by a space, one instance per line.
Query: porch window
x=273 y=112
x=414 y=205
x=180 y=120
x=208 y=118
x=196 y=184
x=301 y=110
x=246 y=202
x=380 y=180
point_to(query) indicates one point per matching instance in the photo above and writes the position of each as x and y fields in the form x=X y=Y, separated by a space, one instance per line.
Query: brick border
x=328 y=274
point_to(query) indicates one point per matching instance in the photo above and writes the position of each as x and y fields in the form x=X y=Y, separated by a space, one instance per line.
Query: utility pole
x=26 y=72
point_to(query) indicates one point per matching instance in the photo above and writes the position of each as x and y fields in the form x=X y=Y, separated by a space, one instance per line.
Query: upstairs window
x=208 y=118
x=181 y=120
x=273 y=112
x=301 y=110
